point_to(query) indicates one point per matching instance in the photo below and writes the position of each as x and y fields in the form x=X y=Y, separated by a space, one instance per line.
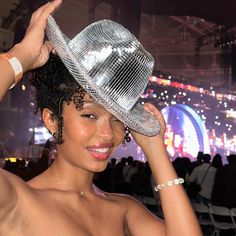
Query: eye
x=115 y=119
x=89 y=116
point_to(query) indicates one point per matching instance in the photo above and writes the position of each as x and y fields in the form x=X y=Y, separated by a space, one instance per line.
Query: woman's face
x=90 y=135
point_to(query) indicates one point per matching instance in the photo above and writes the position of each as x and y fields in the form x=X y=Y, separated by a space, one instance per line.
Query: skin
x=51 y=203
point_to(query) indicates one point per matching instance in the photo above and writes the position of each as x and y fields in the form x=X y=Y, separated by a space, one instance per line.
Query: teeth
x=100 y=150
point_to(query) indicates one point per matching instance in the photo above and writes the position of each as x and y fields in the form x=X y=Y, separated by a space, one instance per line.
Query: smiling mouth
x=99 y=150
x=100 y=153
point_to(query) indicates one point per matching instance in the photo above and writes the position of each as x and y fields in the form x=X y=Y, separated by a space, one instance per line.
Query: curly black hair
x=54 y=85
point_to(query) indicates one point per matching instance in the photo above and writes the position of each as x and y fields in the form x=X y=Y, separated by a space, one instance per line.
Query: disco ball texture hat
x=112 y=66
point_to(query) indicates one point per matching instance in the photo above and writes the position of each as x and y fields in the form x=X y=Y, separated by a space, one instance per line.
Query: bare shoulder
x=15 y=182
x=128 y=202
x=13 y=189
x=140 y=221
x=123 y=199
x=21 y=193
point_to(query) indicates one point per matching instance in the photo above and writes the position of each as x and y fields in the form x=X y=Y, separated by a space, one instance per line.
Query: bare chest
x=40 y=217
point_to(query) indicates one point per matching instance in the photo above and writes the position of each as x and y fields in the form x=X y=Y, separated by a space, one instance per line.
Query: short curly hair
x=54 y=85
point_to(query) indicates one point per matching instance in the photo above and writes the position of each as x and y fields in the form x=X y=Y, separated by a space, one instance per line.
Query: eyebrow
x=94 y=102
x=91 y=102
x=88 y=101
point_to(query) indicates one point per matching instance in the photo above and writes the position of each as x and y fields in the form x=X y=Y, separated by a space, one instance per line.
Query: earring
x=127 y=137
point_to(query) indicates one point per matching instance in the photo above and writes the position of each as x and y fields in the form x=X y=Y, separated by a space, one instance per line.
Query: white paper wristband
x=15 y=65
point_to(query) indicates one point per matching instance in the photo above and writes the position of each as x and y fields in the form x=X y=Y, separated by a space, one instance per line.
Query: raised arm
x=32 y=52
x=179 y=217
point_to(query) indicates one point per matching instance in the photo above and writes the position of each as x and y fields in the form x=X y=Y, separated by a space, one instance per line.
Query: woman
x=63 y=200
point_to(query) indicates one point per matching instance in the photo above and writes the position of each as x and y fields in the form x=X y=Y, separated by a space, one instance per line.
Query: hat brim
x=136 y=119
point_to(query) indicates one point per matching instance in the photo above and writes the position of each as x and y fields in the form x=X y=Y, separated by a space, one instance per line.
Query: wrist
x=156 y=150
x=154 y=144
x=19 y=52
x=15 y=66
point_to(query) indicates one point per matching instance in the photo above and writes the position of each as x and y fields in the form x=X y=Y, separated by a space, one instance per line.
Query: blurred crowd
x=130 y=176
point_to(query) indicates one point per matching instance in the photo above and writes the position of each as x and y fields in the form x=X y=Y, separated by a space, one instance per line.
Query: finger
x=39 y=18
x=150 y=108
x=45 y=51
x=37 y=13
x=154 y=111
x=50 y=8
x=45 y=10
x=44 y=55
x=48 y=47
x=54 y=51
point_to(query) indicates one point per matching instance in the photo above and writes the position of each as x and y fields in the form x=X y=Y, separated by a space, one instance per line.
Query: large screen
x=199 y=118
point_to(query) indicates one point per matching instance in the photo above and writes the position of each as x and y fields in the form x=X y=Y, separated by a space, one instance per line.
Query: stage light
x=23 y=87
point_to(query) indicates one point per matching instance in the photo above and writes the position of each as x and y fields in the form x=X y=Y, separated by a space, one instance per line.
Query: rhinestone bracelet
x=169 y=183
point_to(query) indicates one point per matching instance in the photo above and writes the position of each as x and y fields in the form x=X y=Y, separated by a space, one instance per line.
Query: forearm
x=179 y=216
x=7 y=77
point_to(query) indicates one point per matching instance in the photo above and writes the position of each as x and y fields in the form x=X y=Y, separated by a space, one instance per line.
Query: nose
x=105 y=129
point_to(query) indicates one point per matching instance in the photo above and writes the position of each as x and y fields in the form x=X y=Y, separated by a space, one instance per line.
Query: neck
x=69 y=178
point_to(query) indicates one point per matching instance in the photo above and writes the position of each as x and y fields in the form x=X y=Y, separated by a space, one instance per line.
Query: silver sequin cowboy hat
x=112 y=66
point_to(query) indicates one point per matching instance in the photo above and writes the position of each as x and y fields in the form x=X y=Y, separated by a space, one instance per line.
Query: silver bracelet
x=169 y=184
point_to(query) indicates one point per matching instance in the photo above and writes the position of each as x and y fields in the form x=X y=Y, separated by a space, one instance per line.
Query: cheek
x=76 y=130
x=119 y=131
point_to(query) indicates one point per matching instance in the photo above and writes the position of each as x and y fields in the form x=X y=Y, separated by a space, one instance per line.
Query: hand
x=145 y=142
x=33 y=43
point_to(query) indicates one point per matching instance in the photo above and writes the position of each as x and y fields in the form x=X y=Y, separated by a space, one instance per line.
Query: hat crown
x=105 y=31
x=112 y=66
x=113 y=60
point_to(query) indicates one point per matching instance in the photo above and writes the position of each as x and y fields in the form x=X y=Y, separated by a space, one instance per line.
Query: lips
x=101 y=152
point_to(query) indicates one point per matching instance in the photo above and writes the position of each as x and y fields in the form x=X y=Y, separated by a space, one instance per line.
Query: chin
x=100 y=167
